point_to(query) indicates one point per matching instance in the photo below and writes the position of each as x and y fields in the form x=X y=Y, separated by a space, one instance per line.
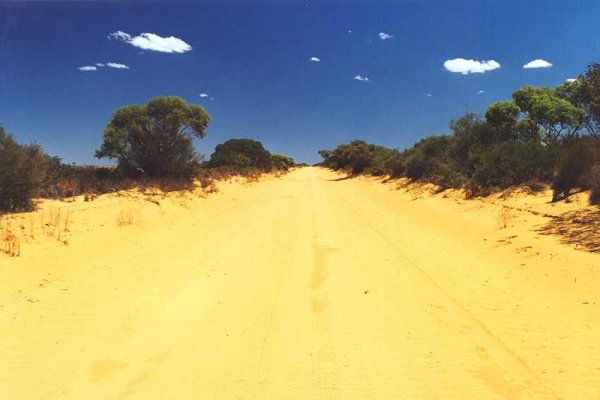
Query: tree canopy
x=155 y=139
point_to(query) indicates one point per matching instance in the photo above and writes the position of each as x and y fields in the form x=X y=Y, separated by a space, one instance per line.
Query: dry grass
x=252 y=176
x=127 y=217
x=55 y=224
x=505 y=217
x=9 y=242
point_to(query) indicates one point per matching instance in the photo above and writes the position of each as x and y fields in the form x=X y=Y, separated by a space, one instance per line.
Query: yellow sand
x=300 y=287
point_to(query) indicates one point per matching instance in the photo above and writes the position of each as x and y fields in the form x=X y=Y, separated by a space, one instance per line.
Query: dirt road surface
x=308 y=286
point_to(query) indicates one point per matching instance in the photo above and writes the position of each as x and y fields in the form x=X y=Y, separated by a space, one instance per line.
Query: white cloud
x=385 y=36
x=539 y=63
x=203 y=95
x=571 y=80
x=362 y=78
x=428 y=94
x=465 y=67
x=88 y=68
x=117 y=65
x=481 y=92
x=152 y=41
x=99 y=64
x=314 y=59
x=120 y=35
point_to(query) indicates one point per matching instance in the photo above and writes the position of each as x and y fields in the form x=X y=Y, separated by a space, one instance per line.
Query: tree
x=503 y=116
x=558 y=118
x=585 y=93
x=241 y=154
x=155 y=139
x=325 y=154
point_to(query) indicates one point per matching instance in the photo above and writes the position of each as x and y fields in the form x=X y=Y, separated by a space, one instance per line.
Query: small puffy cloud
x=153 y=42
x=481 y=92
x=203 y=95
x=539 y=63
x=117 y=65
x=100 y=64
x=314 y=59
x=362 y=78
x=465 y=67
x=88 y=68
x=571 y=80
x=428 y=94
x=120 y=35
x=385 y=36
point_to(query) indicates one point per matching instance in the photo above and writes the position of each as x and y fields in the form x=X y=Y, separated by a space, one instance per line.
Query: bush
x=574 y=162
x=511 y=163
x=360 y=157
x=416 y=165
x=282 y=162
x=241 y=154
x=383 y=160
x=394 y=165
x=64 y=180
x=22 y=171
x=429 y=157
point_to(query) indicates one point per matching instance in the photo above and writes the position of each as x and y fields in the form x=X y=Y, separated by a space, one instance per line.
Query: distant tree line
x=541 y=135
x=151 y=143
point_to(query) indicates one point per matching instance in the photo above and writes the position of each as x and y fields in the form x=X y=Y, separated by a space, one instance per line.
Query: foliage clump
x=241 y=154
x=282 y=162
x=359 y=157
x=155 y=140
x=22 y=172
x=574 y=166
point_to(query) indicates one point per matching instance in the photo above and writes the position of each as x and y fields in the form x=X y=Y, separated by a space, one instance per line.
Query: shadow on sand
x=343 y=178
x=578 y=228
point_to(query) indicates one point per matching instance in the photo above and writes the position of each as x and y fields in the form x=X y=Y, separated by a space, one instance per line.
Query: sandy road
x=304 y=287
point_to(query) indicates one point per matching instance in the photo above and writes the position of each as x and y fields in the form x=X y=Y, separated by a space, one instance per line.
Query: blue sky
x=253 y=61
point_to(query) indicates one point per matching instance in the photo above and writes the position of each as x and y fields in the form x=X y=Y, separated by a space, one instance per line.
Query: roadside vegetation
x=541 y=136
x=150 y=145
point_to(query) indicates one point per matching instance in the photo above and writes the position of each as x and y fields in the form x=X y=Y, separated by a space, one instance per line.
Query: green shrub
x=429 y=157
x=22 y=171
x=383 y=160
x=241 y=154
x=360 y=157
x=511 y=163
x=394 y=165
x=416 y=165
x=282 y=162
